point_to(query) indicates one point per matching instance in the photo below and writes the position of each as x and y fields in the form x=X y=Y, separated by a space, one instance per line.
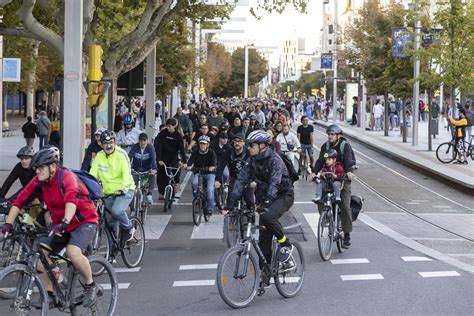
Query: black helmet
x=334 y=128
x=107 y=136
x=224 y=126
x=26 y=152
x=45 y=156
x=331 y=153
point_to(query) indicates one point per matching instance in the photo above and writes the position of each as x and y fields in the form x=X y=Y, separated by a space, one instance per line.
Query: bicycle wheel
x=10 y=254
x=238 y=276
x=290 y=276
x=325 y=235
x=107 y=290
x=446 y=152
x=167 y=199
x=197 y=211
x=144 y=210
x=133 y=250
x=339 y=237
x=14 y=278
x=101 y=246
x=305 y=167
x=137 y=202
x=232 y=232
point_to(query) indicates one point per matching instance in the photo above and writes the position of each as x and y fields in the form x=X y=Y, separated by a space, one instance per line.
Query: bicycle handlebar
x=169 y=171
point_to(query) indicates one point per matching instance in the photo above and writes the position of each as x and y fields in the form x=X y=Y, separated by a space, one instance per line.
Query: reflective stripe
x=282 y=240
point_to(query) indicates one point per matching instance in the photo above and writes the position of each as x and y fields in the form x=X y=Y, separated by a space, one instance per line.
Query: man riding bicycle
x=305 y=133
x=267 y=172
x=288 y=141
x=128 y=135
x=112 y=167
x=74 y=216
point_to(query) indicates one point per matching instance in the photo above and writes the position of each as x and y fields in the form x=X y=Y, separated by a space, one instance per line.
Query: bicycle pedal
x=260 y=291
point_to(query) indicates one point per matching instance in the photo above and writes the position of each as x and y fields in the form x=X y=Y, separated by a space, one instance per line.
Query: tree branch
x=20 y=32
x=40 y=32
x=88 y=15
x=5 y=2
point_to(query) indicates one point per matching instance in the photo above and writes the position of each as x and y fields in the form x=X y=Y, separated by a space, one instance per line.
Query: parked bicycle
x=330 y=223
x=239 y=272
x=169 y=192
x=200 y=199
x=447 y=152
x=140 y=205
x=30 y=291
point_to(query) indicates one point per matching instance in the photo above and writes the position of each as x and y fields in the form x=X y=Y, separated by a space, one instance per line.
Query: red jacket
x=337 y=169
x=75 y=192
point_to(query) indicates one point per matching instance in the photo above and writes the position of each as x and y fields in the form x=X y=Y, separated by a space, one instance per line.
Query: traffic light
x=95 y=75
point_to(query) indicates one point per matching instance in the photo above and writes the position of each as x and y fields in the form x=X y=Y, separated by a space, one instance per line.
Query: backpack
x=393 y=107
x=291 y=169
x=326 y=147
x=91 y=183
x=470 y=118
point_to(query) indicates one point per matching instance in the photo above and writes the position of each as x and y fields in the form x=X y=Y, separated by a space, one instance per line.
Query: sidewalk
x=417 y=157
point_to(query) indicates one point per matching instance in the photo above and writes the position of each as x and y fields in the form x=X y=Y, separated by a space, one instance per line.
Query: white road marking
x=198 y=266
x=440 y=206
x=467 y=255
x=361 y=277
x=183 y=185
x=412 y=203
x=420 y=201
x=437 y=238
x=209 y=230
x=121 y=286
x=386 y=213
x=305 y=203
x=288 y=280
x=124 y=270
x=437 y=274
x=349 y=261
x=155 y=226
x=194 y=283
x=184 y=204
x=312 y=219
x=415 y=258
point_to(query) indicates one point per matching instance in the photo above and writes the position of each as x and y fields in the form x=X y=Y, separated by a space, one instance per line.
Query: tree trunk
x=386 y=107
x=430 y=116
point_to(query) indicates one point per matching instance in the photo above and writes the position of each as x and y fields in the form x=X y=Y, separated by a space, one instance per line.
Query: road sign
x=11 y=69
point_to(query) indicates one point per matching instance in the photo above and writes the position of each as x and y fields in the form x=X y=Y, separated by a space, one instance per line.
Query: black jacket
x=220 y=151
x=203 y=160
x=29 y=130
x=168 y=146
x=91 y=150
x=271 y=175
x=233 y=161
x=346 y=159
x=18 y=172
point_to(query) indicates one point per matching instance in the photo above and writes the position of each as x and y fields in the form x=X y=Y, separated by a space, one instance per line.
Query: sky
x=274 y=28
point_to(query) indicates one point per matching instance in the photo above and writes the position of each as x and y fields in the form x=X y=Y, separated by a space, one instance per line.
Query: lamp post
x=416 y=84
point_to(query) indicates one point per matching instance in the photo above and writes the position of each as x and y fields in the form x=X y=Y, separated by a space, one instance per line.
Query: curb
x=459 y=184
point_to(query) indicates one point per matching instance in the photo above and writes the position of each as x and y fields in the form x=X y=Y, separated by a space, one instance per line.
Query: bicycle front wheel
x=14 y=279
x=101 y=246
x=137 y=202
x=238 y=276
x=197 y=211
x=290 y=276
x=339 y=237
x=133 y=250
x=232 y=230
x=325 y=235
x=106 y=294
x=446 y=152
x=168 y=197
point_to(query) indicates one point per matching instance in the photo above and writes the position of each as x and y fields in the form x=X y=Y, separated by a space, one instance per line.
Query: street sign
x=401 y=40
x=71 y=76
x=326 y=61
x=11 y=69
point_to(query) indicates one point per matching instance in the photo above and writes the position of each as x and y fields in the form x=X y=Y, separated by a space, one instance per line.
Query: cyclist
x=21 y=171
x=128 y=135
x=305 y=133
x=74 y=216
x=204 y=157
x=203 y=130
x=169 y=146
x=267 y=172
x=112 y=167
x=346 y=158
x=185 y=124
x=92 y=150
x=234 y=160
x=214 y=119
x=288 y=142
x=142 y=156
x=459 y=135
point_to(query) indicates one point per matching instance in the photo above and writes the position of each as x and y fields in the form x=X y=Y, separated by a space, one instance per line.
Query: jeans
x=391 y=119
x=468 y=132
x=378 y=123
x=118 y=207
x=29 y=142
x=335 y=185
x=42 y=140
x=208 y=180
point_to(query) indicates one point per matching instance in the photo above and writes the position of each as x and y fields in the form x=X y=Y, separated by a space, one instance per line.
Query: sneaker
x=347 y=241
x=285 y=253
x=128 y=235
x=90 y=295
x=316 y=200
x=149 y=199
x=265 y=280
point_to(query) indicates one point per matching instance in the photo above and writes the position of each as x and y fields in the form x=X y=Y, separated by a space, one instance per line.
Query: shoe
x=149 y=199
x=285 y=253
x=347 y=241
x=265 y=280
x=460 y=162
x=90 y=295
x=128 y=235
x=316 y=200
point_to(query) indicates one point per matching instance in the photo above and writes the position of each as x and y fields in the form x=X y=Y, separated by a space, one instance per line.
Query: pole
x=150 y=93
x=73 y=117
x=363 y=102
x=416 y=87
x=1 y=77
x=93 y=120
x=334 y=81
x=246 y=79
x=405 y=125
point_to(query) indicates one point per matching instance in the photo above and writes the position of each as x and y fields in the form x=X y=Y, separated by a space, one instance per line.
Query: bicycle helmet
x=45 y=156
x=334 y=128
x=204 y=139
x=258 y=136
x=107 y=136
x=99 y=131
x=26 y=152
x=331 y=153
x=128 y=119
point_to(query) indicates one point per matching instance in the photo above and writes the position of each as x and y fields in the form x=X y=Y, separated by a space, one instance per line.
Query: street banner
x=401 y=40
x=429 y=36
x=326 y=61
x=11 y=69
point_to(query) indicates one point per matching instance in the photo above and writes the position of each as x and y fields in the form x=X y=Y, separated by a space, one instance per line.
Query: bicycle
x=305 y=166
x=140 y=204
x=238 y=265
x=221 y=195
x=169 y=189
x=200 y=200
x=447 y=152
x=108 y=242
x=233 y=228
x=328 y=232
x=30 y=291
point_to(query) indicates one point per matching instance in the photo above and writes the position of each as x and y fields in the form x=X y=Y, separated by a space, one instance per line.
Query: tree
x=217 y=69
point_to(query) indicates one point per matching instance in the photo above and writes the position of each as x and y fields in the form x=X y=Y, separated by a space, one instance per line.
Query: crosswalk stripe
x=437 y=274
x=198 y=266
x=361 y=277
x=288 y=280
x=312 y=219
x=105 y=286
x=349 y=261
x=155 y=226
x=209 y=230
x=194 y=283
x=415 y=258
x=124 y=270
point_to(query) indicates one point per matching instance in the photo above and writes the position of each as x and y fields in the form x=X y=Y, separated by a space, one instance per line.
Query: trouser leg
x=210 y=178
x=346 y=213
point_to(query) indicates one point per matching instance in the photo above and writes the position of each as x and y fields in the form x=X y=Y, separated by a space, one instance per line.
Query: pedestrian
x=355 y=108
x=422 y=108
x=29 y=130
x=54 y=139
x=43 y=124
x=392 y=110
x=378 y=115
x=470 y=120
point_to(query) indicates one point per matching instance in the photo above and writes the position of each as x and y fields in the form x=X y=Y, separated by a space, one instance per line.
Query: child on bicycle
x=330 y=165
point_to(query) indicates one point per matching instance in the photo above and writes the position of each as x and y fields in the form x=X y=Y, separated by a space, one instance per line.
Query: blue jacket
x=142 y=161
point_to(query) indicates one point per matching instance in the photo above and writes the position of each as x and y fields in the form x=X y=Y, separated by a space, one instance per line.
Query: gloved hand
x=58 y=229
x=6 y=229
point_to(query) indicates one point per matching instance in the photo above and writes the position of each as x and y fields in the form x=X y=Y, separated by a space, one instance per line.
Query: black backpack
x=291 y=169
